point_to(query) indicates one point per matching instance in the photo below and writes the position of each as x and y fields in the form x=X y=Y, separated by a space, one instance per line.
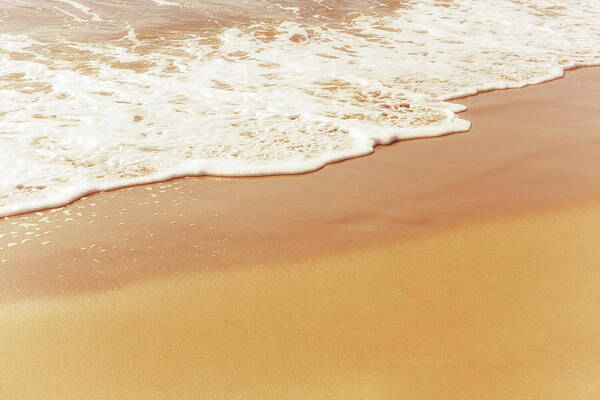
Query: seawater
x=100 y=94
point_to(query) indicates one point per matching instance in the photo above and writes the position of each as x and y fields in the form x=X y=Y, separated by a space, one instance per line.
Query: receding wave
x=106 y=94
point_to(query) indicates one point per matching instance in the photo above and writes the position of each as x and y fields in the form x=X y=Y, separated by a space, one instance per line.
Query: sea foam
x=262 y=97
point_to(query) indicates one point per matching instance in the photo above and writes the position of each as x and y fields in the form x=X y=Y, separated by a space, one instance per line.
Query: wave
x=287 y=93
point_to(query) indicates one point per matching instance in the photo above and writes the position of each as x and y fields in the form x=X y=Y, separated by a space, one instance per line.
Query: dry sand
x=463 y=267
x=504 y=310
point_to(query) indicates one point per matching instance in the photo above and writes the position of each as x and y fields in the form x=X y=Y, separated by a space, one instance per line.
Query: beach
x=463 y=266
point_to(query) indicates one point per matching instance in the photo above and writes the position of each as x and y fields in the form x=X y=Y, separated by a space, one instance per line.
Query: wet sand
x=529 y=149
x=458 y=267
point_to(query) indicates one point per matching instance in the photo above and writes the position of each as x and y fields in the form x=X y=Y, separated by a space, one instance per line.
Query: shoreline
x=460 y=267
x=529 y=149
x=135 y=182
x=151 y=181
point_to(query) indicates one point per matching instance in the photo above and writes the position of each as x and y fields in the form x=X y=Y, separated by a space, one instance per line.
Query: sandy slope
x=503 y=310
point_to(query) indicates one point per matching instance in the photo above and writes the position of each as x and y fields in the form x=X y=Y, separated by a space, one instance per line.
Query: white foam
x=264 y=99
x=84 y=9
x=165 y=3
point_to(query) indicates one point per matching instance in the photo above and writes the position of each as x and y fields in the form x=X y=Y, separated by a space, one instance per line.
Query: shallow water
x=99 y=94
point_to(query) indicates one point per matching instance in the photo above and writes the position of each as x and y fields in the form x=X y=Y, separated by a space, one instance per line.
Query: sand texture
x=505 y=310
x=462 y=267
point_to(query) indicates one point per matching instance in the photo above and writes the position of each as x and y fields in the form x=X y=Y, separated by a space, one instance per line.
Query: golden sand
x=504 y=310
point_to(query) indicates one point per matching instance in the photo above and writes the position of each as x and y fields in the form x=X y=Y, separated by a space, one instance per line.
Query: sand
x=529 y=149
x=503 y=310
x=459 y=267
